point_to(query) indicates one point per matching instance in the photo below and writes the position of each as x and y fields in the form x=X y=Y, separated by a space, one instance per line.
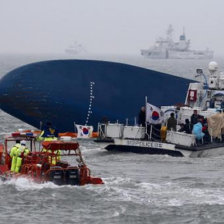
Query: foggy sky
x=107 y=26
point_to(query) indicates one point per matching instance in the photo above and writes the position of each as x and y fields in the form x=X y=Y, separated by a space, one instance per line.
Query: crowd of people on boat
x=197 y=125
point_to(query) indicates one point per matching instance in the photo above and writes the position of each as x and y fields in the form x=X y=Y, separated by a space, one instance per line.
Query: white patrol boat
x=166 y=48
x=207 y=97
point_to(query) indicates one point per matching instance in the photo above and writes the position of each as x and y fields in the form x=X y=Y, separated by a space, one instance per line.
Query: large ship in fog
x=166 y=48
x=84 y=92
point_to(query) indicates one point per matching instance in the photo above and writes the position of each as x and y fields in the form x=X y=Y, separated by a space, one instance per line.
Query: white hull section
x=148 y=144
x=213 y=152
x=151 y=145
x=177 y=54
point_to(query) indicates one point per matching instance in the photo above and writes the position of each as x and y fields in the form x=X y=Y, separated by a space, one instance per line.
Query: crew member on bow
x=48 y=132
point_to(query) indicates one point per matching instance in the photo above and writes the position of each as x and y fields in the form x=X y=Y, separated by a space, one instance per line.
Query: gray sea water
x=137 y=189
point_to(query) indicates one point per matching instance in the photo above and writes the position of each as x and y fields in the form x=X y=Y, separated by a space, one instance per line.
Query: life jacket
x=22 y=151
x=57 y=157
x=48 y=139
x=13 y=151
x=15 y=154
x=53 y=157
x=26 y=152
x=49 y=132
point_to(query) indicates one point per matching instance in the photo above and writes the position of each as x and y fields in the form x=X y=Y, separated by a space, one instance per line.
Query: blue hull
x=59 y=91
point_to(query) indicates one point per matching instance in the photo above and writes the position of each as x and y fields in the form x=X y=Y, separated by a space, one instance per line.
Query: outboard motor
x=57 y=175
x=72 y=176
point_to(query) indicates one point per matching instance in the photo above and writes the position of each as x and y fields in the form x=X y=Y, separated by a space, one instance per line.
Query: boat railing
x=117 y=130
x=101 y=130
x=181 y=138
x=154 y=133
x=151 y=132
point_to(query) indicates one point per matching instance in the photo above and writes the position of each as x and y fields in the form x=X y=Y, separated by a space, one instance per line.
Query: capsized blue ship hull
x=59 y=91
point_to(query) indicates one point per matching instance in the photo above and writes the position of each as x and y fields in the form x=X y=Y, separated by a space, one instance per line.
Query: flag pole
x=150 y=136
x=146 y=101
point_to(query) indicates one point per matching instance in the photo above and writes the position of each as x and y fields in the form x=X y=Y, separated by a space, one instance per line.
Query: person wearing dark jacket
x=141 y=117
x=194 y=118
x=49 y=131
x=172 y=123
x=186 y=127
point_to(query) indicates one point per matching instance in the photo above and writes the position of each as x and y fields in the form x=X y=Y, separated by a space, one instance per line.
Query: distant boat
x=75 y=48
x=166 y=48
x=84 y=91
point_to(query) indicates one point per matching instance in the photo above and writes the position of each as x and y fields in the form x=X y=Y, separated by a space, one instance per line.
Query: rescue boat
x=204 y=138
x=64 y=168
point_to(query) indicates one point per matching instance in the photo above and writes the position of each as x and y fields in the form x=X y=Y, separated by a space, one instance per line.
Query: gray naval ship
x=166 y=48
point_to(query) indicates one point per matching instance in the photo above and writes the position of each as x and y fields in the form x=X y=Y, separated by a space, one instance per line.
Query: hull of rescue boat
x=57 y=176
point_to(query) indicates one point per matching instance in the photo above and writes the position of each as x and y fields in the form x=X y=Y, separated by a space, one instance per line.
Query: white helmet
x=213 y=66
x=23 y=142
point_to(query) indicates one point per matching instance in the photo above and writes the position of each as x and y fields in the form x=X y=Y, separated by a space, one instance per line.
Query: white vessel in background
x=166 y=48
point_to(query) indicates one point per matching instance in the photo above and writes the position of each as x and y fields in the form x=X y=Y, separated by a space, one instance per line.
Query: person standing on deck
x=172 y=123
x=141 y=117
x=194 y=118
x=48 y=132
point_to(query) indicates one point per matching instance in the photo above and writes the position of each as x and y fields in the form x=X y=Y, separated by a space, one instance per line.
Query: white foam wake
x=24 y=184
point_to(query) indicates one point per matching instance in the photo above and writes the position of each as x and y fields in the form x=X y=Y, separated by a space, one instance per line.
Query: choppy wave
x=25 y=184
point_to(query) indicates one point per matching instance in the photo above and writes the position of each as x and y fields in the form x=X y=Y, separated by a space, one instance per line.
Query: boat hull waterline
x=160 y=148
